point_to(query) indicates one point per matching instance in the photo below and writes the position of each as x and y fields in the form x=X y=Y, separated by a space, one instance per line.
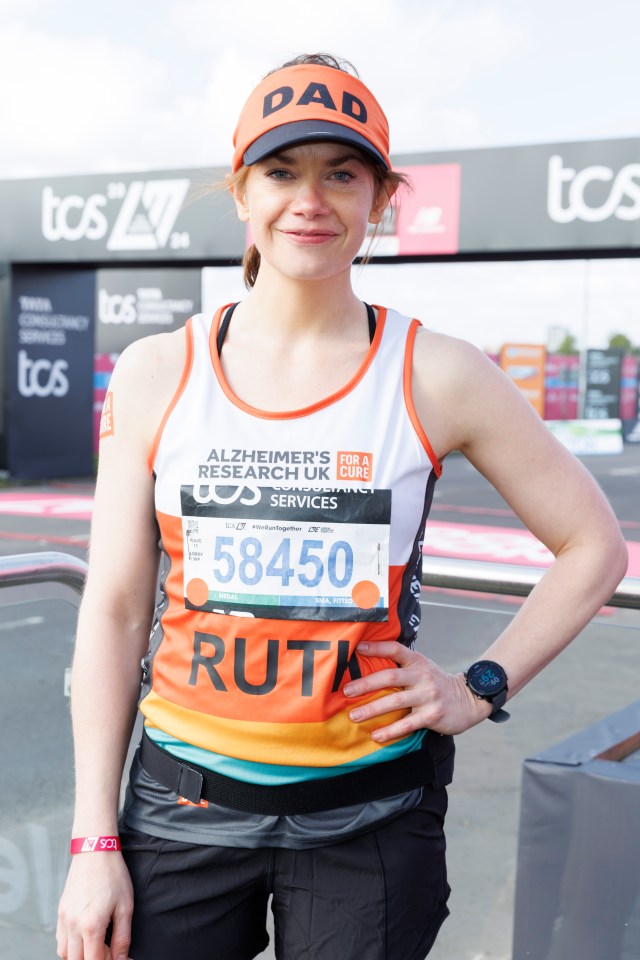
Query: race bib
x=287 y=554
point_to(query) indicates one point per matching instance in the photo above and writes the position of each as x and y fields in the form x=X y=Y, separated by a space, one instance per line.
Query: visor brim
x=306 y=131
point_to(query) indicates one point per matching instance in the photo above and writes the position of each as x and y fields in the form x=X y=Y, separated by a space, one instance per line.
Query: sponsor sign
x=131 y=304
x=551 y=196
x=50 y=374
x=429 y=216
x=145 y=219
x=593 y=194
x=559 y=196
x=165 y=215
x=561 y=386
x=631 y=427
x=602 y=389
x=589 y=436
x=524 y=363
x=629 y=387
x=136 y=303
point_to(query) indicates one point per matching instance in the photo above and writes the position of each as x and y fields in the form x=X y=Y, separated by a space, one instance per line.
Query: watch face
x=486 y=678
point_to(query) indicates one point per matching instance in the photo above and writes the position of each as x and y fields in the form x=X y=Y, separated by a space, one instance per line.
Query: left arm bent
x=466 y=403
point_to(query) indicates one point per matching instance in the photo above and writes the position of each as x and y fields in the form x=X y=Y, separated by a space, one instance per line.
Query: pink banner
x=58 y=505
x=429 y=215
x=629 y=388
x=561 y=387
x=499 y=545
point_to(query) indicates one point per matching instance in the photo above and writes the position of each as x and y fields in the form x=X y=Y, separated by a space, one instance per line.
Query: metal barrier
x=478 y=576
x=34 y=836
x=29 y=568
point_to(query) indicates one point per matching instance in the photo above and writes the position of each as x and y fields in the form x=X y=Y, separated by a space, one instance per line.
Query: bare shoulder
x=147 y=375
x=152 y=360
x=453 y=382
x=446 y=358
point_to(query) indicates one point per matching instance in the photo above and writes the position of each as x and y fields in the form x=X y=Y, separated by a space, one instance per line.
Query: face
x=308 y=207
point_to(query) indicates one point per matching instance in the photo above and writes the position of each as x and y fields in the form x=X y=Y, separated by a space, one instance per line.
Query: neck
x=302 y=308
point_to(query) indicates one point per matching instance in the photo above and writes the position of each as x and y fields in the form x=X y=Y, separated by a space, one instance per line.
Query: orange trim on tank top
x=304 y=411
x=178 y=393
x=408 y=397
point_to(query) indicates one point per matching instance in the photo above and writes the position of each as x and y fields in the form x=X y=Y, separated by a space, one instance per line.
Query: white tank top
x=289 y=537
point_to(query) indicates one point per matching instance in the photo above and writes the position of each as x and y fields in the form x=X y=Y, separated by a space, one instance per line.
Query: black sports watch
x=488 y=681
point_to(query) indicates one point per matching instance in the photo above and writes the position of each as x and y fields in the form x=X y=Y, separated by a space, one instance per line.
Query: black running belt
x=431 y=764
x=226 y=320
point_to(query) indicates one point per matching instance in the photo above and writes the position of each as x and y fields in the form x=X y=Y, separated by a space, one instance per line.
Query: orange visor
x=304 y=103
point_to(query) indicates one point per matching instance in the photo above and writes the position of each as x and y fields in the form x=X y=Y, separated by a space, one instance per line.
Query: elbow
x=606 y=555
x=622 y=558
x=615 y=559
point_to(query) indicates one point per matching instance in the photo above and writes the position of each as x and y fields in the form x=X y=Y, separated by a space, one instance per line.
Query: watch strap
x=498 y=715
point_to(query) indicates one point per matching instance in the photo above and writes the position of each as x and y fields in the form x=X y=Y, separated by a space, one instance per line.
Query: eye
x=343 y=176
x=278 y=174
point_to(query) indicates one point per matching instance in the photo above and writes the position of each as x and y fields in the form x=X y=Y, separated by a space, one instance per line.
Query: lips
x=309 y=236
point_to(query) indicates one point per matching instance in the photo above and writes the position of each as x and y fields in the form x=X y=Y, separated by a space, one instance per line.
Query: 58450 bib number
x=295 y=554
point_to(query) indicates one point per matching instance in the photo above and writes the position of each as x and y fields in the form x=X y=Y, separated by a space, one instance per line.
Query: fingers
x=400 y=676
x=398 y=730
x=416 y=689
x=76 y=946
x=98 y=892
x=393 y=703
x=387 y=648
x=381 y=680
x=121 y=935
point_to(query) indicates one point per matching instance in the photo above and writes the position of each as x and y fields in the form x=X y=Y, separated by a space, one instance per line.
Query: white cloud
x=413 y=57
x=11 y=10
x=73 y=102
x=81 y=98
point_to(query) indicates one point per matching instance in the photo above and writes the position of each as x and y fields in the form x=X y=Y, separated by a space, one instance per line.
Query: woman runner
x=279 y=460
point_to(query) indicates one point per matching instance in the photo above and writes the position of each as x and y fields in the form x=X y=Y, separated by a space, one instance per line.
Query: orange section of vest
x=281 y=671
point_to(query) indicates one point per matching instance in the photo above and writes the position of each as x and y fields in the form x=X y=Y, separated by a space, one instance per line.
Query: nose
x=309 y=199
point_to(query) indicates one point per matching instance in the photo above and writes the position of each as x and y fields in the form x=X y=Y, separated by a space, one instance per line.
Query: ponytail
x=250 y=265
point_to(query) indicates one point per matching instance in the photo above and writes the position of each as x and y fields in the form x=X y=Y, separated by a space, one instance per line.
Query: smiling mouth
x=310 y=236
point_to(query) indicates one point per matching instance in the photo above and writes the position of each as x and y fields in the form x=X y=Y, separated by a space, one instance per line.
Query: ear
x=381 y=201
x=240 y=199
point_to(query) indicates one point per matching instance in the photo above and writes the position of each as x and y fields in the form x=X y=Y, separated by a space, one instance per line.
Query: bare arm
x=465 y=403
x=113 y=635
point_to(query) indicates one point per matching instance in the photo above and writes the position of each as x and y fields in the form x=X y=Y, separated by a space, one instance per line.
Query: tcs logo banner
x=622 y=202
x=145 y=215
x=42 y=378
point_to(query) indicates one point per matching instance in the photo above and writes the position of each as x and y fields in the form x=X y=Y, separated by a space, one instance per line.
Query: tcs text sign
x=138 y=216
x=569 y=191
x=41 y=377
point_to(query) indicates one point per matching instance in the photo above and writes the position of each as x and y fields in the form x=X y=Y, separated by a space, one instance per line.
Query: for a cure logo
x=318 y=93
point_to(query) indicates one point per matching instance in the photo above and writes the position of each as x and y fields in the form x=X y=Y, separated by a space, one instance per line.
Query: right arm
x=113 y=635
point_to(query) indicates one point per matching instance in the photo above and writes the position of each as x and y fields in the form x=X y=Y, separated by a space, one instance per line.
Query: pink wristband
x=94 y=844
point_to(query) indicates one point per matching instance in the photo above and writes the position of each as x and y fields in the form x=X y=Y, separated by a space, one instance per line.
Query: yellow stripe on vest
x=292 y=744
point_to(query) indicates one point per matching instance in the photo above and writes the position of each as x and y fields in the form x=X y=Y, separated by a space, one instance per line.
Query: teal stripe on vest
x=268 y=774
